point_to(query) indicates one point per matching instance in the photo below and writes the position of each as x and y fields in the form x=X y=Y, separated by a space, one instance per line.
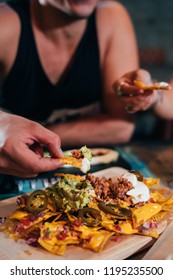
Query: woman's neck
x=55 y=24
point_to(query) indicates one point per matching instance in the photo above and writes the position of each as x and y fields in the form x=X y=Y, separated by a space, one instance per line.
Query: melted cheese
x=145 y=212
x=18 y=215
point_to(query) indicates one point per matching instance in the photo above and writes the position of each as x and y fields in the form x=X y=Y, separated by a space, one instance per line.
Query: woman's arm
x=9 y=38
x=164 y=106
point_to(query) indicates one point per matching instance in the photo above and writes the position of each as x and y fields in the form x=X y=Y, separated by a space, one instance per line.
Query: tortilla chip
x=72 y=161
x=55 y=236
x=144 y=213
x=96 y=240
x=57 y=249
x=157 y=85
x=151 y=182
x=78 y=177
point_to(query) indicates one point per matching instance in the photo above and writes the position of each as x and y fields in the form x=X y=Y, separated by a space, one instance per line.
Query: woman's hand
x=134 y=98
x=21 y=142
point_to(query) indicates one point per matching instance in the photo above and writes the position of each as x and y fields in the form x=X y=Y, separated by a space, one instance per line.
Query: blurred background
x=153 y=22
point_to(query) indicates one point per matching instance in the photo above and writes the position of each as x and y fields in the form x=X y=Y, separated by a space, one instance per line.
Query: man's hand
x=21 y=143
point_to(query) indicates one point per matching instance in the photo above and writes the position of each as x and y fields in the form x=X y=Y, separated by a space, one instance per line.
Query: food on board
x=86 y=211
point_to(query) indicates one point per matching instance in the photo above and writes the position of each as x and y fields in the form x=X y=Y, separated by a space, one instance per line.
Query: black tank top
x=27 y=90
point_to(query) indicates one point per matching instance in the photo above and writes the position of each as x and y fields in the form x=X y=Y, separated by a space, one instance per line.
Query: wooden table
x=157 y=157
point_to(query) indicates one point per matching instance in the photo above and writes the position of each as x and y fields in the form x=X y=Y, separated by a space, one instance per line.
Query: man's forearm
x=94 y=131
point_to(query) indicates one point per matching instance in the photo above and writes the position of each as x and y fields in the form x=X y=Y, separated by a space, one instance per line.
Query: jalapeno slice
x=90 y=216
x=114 y=209
x=138 y=175
x=37 y=201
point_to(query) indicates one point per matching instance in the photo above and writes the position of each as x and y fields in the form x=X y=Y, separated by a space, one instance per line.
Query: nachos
x=78 y=158
x=87 y=210
x=153 y=86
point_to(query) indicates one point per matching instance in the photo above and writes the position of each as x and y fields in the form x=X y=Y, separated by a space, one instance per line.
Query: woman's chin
x=81 y=12
x=74 y=8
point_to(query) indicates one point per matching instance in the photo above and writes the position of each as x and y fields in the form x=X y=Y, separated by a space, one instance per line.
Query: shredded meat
x=77 y=154
x=120 y=188
x=100 y=185
x=107 y=190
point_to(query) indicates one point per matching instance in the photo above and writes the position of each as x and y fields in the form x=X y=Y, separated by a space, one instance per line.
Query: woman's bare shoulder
x=8 y=17
x=9 y=27
x=111 y=12
x=9 y=38
x=113 y=20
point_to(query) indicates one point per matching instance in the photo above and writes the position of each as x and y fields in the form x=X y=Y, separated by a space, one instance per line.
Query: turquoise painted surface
x=135 y=162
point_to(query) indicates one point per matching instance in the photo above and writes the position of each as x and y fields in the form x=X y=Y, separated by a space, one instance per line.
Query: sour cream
x=140 y=192
x=85 y=166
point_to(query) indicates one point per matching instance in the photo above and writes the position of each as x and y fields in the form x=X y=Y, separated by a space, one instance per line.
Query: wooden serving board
x=127 y=246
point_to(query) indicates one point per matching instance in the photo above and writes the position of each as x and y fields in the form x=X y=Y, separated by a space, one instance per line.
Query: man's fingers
x=37 y=164
x=49 y=139
x=37 y=149
x=130 y=91
x=125 y=89
x=55 y=151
